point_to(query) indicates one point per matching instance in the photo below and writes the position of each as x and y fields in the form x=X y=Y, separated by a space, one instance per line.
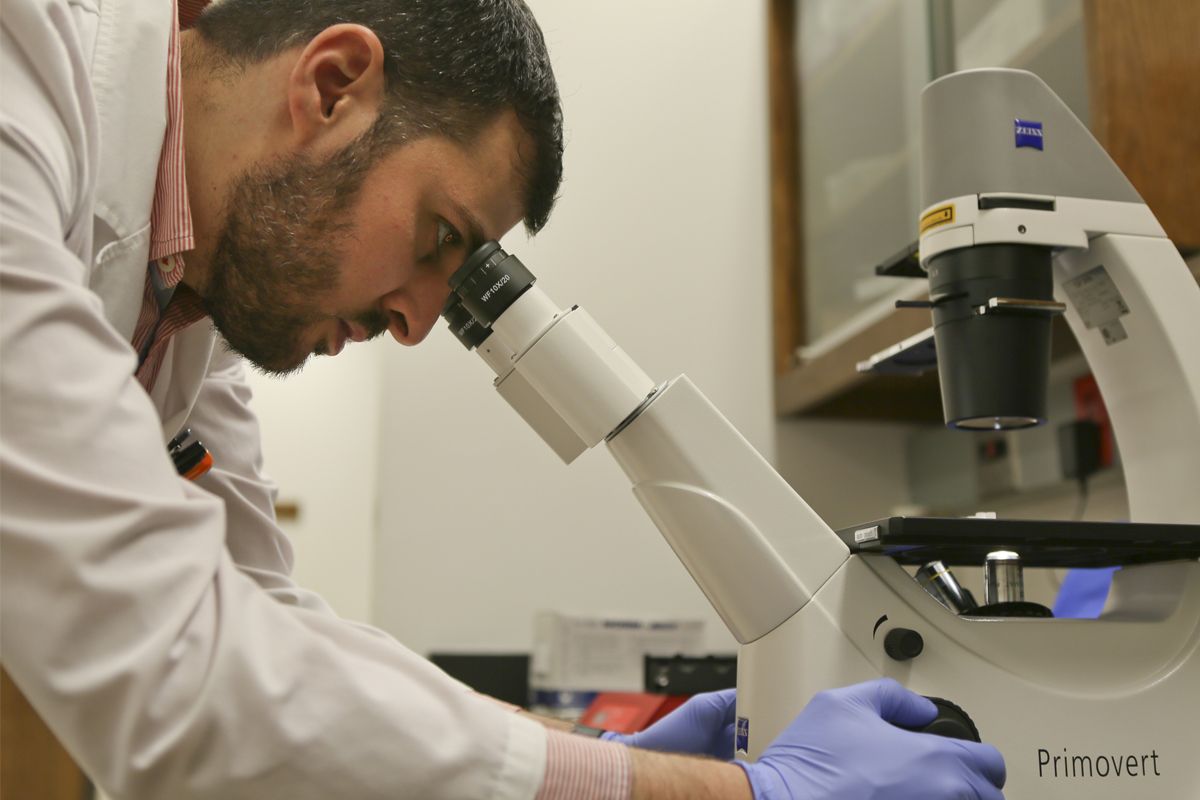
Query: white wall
x=662 y=234
x=321 y=443
x=849 y=471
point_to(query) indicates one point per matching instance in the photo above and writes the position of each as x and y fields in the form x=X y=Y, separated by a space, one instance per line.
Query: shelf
x=831 y=386
x=840 y=55
x=1012 y=503
x=889 y=166
x=1048 y=38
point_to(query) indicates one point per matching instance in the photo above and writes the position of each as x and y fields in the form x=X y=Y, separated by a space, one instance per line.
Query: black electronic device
x=1079 y=446
x=504 y=676
x=690 y=674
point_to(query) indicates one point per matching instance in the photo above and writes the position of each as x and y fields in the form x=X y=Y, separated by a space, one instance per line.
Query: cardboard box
x=575 y=657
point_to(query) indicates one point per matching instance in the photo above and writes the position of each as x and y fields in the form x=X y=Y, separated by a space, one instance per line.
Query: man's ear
x=336 y=83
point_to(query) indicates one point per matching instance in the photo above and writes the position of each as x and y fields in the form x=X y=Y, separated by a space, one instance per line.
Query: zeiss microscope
x=1026 y=217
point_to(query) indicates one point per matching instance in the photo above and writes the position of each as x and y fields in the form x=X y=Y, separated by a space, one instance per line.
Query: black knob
x=903 y=644
x=951 y=722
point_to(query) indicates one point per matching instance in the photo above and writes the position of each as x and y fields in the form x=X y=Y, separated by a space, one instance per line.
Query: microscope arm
x=755 y=548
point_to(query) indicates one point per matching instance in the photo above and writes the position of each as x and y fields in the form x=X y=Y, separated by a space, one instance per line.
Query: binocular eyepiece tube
x=556 y=367
x=491 y=285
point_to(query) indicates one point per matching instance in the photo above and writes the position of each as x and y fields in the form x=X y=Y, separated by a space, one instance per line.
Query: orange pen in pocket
x=191 y=461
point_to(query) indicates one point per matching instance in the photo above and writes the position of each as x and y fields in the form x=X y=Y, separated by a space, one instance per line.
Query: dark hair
x=450 y=67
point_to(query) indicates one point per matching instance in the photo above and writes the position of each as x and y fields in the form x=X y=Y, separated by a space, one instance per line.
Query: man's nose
x=412 y=314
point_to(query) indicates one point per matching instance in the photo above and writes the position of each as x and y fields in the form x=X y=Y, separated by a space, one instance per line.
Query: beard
x=276 y=260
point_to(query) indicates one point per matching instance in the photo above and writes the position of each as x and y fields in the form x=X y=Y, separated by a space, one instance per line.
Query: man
x=303 y=173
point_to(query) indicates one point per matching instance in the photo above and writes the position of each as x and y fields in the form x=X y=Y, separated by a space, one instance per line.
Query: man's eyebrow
x=473 y=235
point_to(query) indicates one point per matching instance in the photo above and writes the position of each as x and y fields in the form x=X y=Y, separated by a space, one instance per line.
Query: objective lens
x=994 y=368
x=1004 y=581
x=490 y=281
x=996 y=423
x=937 y=579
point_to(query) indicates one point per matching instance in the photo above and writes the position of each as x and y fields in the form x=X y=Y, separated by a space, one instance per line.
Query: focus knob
x=951 y=722
x=903 y=644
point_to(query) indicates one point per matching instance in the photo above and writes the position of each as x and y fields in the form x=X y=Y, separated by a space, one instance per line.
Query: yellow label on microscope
x=938 y=216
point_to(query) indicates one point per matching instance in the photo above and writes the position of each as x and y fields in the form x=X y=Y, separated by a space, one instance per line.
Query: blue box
x=1029 y=133
x=743 y=735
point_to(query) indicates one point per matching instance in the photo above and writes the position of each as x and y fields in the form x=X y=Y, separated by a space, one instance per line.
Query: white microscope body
x=1106 y=708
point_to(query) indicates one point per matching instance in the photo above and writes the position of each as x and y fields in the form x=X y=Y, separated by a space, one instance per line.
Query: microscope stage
x=1041 y=543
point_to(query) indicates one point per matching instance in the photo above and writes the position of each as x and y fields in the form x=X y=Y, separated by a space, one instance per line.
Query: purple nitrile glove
x=703 y=726
x=842 y=746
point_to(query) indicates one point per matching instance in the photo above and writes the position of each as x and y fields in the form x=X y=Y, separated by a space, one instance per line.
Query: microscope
x=1026 y=218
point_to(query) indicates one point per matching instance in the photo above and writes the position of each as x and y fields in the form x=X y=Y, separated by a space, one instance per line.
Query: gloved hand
x=702 y=726
x=841 y=746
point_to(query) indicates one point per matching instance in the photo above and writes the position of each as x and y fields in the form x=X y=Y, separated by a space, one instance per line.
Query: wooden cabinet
x=1144 y=73
x=32 y=762
x=1130 y=68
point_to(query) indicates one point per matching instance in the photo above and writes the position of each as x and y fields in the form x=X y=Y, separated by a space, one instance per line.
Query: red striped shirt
x=582 y=768
x=189 y=10
x=171 y=231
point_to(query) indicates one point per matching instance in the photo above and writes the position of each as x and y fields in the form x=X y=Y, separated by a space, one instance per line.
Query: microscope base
x=1080 y=708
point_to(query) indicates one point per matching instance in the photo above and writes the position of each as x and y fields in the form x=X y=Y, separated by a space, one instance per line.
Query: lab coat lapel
x=129 y=71
x=179 y=380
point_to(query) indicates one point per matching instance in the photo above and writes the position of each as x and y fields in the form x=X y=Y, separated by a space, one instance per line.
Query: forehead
x=482 y=176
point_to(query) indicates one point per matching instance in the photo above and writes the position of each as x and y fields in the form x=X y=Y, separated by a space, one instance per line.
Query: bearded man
x=267 y=182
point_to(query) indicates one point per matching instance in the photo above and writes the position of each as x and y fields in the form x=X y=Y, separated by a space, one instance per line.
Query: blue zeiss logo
x=1029 y=133
x=743 y=735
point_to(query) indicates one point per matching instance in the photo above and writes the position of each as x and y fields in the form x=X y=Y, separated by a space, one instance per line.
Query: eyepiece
x=490 y=281
x=464 y=326
x=473 y=263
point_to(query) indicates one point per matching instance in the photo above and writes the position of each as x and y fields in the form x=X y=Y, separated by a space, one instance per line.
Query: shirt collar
x=171 y=231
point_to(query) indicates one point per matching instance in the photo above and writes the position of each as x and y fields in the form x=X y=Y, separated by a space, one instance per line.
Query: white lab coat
x=152 y=622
